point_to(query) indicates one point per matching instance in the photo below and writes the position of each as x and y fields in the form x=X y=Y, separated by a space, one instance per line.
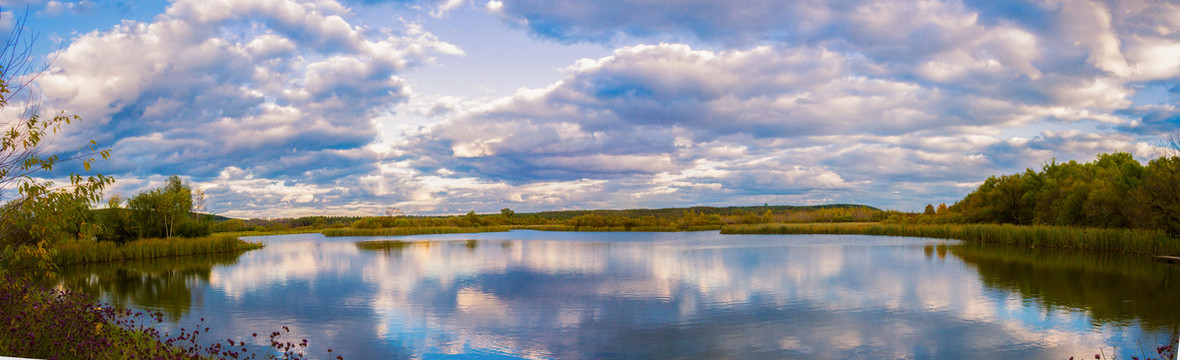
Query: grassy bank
x=1131 y=241
x=83 y=252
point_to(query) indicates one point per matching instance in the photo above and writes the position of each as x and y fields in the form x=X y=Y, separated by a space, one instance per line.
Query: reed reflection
x=1115 y=289
x=168 y=285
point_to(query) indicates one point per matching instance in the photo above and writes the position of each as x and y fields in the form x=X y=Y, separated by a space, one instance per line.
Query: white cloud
x=285 y=90
x=447 y=6
x=700 y=103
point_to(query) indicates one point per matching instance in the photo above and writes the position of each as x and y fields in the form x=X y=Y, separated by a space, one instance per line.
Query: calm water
x=529 y=294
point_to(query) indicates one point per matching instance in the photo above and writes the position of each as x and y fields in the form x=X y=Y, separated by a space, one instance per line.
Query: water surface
x=530 y=294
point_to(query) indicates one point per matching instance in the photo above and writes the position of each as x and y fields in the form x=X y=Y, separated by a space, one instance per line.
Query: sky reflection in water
x=529 y=294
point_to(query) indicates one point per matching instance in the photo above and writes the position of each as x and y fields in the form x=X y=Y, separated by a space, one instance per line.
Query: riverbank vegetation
x=670 y=219
x=159 y=222
x=426 y=230
x=85 y=252
x=1113 y=191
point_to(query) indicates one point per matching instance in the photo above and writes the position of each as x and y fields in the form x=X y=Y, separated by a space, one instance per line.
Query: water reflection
x=1113 y=288
x=168 y=285
x=527 y=294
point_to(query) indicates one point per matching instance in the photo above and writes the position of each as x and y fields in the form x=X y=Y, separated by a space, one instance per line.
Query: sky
x=281 y=108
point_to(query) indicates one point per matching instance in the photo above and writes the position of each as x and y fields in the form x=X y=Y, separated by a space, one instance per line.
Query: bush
x=191 y=229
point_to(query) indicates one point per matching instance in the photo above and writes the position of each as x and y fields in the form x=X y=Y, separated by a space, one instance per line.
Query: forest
x=1113 y=191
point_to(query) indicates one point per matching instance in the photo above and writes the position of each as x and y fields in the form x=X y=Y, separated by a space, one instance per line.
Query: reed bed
x=651 y=228
x=83 y=252
x=425 y=230
x=1131 y=241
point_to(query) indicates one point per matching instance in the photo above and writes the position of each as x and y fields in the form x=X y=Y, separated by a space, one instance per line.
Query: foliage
x=1160 y=193
x=166 y=211
x=42 y=212
x=1113 y=191
x=117 y=226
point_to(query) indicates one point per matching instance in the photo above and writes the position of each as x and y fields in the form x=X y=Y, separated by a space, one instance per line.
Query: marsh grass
x=84 y=252
x=1130 y=241
x=425 y=230
x=389 y=244
x=648 y=228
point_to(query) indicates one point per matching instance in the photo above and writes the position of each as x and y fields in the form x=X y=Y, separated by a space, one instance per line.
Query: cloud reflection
x=526 y=294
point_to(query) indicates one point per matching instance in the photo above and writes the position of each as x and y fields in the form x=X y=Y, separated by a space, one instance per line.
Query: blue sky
x=291 y=108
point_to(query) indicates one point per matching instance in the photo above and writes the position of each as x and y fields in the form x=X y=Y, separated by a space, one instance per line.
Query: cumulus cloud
x=702 y=125
x=1029 y=52
x=293 y=105
x=282 y=90
x=893 y=97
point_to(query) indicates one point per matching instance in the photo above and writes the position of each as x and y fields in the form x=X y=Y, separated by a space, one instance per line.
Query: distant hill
x=205 y=217
x=551 y=215
x=704 y=210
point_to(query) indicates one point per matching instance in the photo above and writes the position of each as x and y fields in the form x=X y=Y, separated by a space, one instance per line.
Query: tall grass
x=647 y=228
x=425 y=230
x=1131 y=241
x=83 y=252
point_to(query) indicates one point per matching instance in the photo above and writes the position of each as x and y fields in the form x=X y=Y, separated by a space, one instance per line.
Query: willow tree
x=36 y=210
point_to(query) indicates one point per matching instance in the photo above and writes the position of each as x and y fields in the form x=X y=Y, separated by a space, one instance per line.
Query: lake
x=583 y=295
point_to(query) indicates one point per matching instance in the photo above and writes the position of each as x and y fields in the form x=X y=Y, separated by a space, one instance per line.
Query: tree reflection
x=165 y=284
x=1114 y=288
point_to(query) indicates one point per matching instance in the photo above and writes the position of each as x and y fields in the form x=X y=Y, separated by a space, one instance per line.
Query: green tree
x=929 y=210
x=159 y=211
x=1114 y=190
x=1161 y=193
x=116 y=222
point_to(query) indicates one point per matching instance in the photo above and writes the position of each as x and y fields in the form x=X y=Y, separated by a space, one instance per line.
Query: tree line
x=1113 y=191
x=668 y=218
